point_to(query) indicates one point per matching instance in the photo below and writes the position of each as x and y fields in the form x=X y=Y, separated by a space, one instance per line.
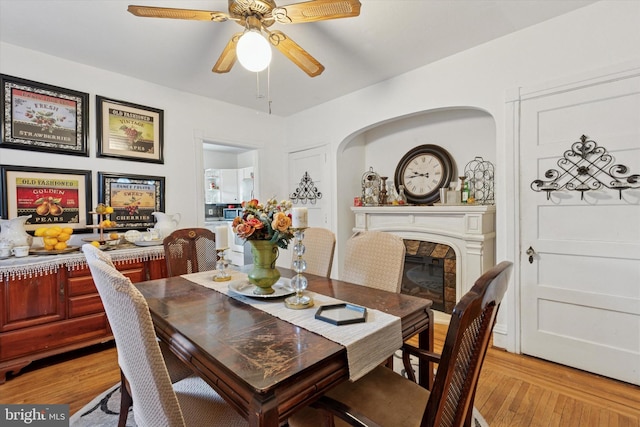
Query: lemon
x=52 y=232
x=63 y=237
x=96 y=244
x=108 y=210
x=114 y=236
x=50 y=241
x=60 y=246
x=40 y=231
x=67 y=230
x=48 y=247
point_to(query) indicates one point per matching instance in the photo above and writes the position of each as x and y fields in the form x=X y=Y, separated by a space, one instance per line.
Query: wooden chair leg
x=125 y=400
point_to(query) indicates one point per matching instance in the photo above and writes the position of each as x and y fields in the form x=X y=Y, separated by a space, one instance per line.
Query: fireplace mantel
x=469 y=230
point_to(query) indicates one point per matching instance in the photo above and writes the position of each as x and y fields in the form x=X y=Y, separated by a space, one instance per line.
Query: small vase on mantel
x=264 y=273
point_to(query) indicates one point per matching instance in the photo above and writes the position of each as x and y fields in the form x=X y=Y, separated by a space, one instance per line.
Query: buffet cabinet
x=58 y=310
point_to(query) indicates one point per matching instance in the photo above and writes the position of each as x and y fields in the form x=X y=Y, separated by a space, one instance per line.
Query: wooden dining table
x=265 y=367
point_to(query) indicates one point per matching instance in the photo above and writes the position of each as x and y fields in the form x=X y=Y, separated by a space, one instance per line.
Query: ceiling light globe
x=253 y=51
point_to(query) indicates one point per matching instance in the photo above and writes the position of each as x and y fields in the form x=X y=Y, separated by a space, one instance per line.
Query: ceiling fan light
x=253 y=51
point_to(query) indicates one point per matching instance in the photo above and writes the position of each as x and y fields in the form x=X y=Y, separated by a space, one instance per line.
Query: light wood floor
x=514 y=390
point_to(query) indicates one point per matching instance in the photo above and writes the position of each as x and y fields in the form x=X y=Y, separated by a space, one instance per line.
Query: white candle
x=222 y=237
x=299 y=217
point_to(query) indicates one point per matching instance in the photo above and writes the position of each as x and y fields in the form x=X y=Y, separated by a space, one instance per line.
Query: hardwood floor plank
x=513 y=391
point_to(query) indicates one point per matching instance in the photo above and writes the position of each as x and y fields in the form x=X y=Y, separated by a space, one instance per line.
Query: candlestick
x=221 y=266
x=222 y=237
x=299 y=217
x=299 y=282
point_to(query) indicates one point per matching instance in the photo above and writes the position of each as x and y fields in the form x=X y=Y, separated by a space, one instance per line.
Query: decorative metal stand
x=299 y=282
x=480 y=175
x=370 y=188
x=306 y=191
x=584 y=167
x=221 y=266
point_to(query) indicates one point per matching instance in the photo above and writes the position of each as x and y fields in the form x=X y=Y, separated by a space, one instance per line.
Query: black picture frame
x=42 y=117
x=133 y=198
x=25 y=190
x=129 y=131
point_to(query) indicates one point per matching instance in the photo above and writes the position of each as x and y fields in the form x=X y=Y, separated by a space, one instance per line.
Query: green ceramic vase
x=264 y=273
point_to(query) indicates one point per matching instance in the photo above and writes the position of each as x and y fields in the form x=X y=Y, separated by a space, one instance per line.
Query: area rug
x=103 y=410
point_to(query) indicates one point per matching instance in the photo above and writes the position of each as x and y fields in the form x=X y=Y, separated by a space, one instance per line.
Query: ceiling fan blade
x=317 y=10
x=166 y=12
x=228 y=56
x=295 y=53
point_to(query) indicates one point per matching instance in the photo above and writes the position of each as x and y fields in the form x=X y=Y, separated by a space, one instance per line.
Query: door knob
x=531 y=253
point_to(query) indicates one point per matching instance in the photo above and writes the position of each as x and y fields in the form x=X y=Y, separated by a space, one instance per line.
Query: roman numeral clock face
x=422 y=172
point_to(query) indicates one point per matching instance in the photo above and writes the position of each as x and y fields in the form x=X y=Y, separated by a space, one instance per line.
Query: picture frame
x=133 y=198
x=51 y=196
x=129 y=131
x=42 y=117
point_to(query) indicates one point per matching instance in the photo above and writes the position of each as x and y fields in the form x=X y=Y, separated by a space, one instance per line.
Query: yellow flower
x=281 y=222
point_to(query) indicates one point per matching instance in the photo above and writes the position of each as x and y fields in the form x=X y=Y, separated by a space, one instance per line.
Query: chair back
x=190 y=250
x=139 y=356
x=374 y=259
x=319 y=244
x=451 y=400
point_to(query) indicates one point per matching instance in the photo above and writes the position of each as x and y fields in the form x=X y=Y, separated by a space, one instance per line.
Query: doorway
x=580 y=254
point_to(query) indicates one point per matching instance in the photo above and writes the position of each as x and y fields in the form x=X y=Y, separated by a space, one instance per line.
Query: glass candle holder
x=299 y=282
x=221 y=266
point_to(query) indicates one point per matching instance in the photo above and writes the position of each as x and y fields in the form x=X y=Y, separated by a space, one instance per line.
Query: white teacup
x=154 y=233
x=5 y=252
x=20 y=251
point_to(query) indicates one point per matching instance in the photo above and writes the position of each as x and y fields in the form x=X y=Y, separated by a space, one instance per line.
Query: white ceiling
x=389 y=37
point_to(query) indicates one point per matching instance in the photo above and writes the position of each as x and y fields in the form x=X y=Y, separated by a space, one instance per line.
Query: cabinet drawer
x=60 y=334
x=83 y=284
x=85 y=304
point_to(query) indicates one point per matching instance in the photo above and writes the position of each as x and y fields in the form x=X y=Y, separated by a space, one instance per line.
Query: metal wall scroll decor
x=586 y=166
x=479 y=173
x=306 y=191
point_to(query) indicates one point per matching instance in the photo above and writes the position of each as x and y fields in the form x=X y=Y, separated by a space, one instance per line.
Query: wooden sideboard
x=56 y=309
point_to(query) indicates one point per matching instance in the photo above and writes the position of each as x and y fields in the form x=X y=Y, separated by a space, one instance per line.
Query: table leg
x=263 y=413
x=425 y=341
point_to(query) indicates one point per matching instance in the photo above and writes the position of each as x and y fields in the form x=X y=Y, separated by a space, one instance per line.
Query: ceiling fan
x=257 y=16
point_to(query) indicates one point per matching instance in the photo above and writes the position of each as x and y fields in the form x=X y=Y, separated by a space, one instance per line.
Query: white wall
x=588 y=39
x=186 y=118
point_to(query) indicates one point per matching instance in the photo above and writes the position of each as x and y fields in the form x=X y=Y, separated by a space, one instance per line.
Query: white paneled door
x=308 y=176
x=580 y=290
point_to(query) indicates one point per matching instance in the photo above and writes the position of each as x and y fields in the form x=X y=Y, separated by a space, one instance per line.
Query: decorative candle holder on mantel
x=299 y=282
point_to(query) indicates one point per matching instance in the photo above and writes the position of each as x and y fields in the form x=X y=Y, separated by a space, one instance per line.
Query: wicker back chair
x=156 y=402
x=385 y=398
x=374 y=259
x=320 y=244
x=190 y=250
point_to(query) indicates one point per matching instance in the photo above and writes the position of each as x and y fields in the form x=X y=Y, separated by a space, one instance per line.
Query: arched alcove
x=465 y=132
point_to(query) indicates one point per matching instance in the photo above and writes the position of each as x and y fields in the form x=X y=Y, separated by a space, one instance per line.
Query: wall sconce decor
x=306 y=191
x=586 y=166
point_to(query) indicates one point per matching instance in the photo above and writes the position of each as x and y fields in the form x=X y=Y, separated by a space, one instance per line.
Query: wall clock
x=423 y=171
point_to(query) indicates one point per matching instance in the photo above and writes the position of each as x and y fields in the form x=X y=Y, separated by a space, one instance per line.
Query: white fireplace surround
x=469 y=230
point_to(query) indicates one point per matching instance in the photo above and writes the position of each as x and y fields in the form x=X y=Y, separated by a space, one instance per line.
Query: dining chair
x=385 y=398
x=374 y=259
x=146 y=380
x=319 y=244
x=190 y=250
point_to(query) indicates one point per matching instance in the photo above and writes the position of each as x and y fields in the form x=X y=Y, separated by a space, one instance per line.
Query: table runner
x=368 y=344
